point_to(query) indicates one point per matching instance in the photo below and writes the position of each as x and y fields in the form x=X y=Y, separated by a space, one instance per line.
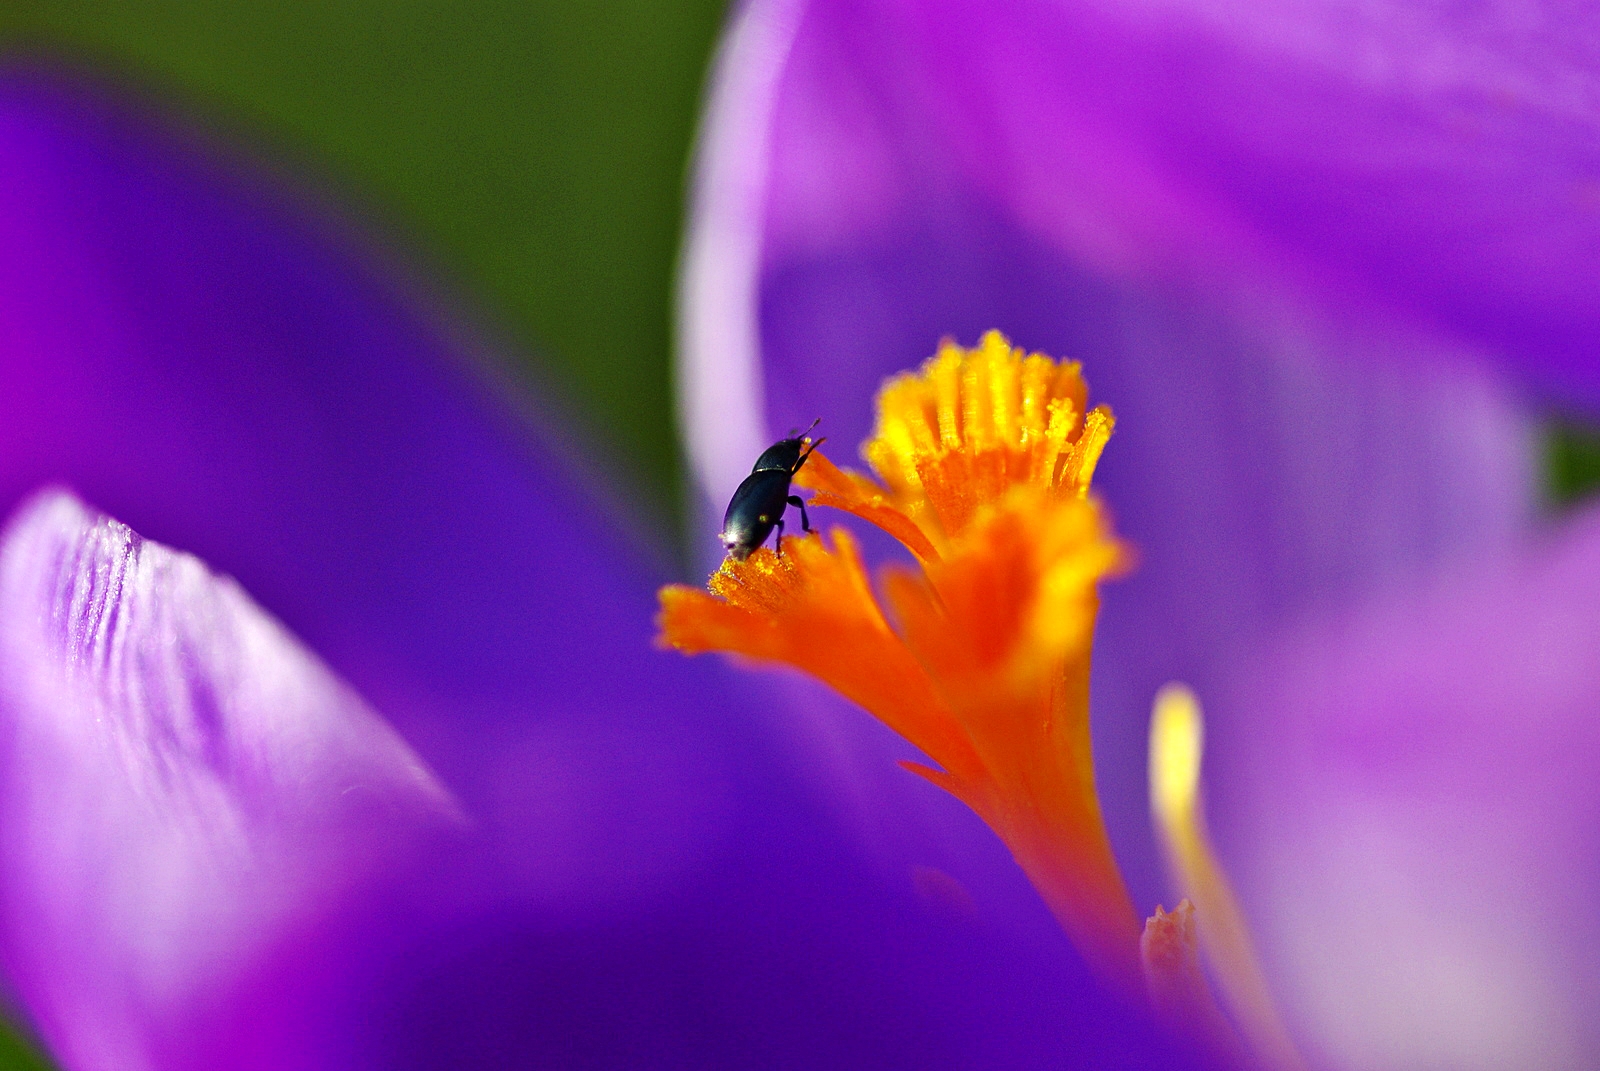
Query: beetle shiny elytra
x=759 y=504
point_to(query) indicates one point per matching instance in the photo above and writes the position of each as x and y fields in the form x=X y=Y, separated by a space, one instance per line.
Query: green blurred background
x=532 y=155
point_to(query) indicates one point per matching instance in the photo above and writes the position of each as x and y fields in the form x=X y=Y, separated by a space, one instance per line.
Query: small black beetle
x=759 y=503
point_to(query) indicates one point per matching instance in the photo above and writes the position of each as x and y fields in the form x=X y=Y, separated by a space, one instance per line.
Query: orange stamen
x=813 y=609
x=979 y=656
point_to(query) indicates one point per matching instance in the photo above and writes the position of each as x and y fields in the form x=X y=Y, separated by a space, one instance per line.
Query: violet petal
x=184 y=783
x=233 y=370
x=1431 y=165
x=1417 y=829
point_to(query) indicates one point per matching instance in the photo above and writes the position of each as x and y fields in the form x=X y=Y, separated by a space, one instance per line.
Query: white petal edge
x=720 y=389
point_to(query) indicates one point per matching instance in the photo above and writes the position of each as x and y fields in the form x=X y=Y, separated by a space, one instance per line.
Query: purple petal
x=1418 y=840
x=184 y=783
x=1434 y=165
x=224 y=369
x=1275 y=457
x=649 y=878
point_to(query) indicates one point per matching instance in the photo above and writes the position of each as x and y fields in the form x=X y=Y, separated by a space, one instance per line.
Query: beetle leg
x=779 y=541
x=805 y=522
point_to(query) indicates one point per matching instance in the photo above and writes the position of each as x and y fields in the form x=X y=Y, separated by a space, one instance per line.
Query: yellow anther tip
x=1177 y=738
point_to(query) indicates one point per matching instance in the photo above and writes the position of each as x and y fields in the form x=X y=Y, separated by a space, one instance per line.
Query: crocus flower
x=334 y=737
x=1321 y=260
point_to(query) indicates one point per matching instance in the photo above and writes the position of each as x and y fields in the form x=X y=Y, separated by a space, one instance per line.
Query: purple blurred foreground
x=386 y=774
x=1323 y=260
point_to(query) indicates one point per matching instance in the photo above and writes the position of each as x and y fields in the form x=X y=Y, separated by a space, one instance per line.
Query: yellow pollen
x=968 y=428
x=978 y=655
x=1177 y=733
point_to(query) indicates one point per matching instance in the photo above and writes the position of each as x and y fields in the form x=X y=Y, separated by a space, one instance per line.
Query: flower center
x=963 y=433
x=979 y=655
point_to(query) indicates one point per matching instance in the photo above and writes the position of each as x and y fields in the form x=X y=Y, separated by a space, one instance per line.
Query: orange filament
x=979 y=656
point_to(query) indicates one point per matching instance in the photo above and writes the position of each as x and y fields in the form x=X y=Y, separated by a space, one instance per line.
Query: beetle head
x=787 y=455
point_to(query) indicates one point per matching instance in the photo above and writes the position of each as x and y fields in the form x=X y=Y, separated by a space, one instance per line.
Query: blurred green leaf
x=535 y=153
x=15 y=1055
x=1571 y=461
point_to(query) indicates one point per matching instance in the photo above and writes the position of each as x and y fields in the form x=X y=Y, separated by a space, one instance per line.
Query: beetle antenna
x=809 y=450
